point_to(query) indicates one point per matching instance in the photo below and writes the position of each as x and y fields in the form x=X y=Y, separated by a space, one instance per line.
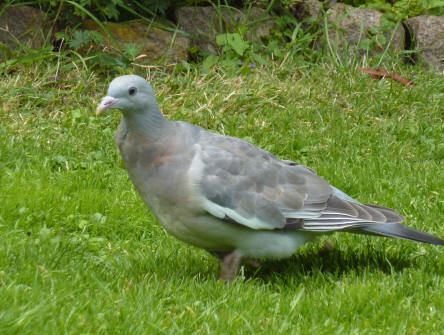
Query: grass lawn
x=81 y=254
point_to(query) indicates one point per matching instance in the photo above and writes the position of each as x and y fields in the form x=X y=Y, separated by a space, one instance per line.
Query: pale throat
x=150 y=123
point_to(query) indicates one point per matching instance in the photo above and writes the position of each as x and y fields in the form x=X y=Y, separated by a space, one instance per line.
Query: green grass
x=81 y=254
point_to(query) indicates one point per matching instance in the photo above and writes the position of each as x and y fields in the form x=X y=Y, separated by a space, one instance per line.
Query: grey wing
x=238 y=182
x=248 y=186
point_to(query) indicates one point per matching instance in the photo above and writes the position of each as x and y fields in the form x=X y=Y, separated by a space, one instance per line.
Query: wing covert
x=241 y=183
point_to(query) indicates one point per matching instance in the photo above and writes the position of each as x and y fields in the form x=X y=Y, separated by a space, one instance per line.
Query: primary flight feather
x=228 y=196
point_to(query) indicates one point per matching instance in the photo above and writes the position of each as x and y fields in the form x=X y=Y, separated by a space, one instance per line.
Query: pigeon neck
x=151 y=124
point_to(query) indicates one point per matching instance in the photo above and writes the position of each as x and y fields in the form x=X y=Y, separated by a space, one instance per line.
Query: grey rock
x=353 y=24
x=155 y=43
x=201 y=22
x=205 y=23
x=260 y=22
x=348 y=26
x=21 y=25
x=307 y=9
x=428 y=36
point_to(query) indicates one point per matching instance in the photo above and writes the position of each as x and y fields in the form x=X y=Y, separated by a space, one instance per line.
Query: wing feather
x=242 y=184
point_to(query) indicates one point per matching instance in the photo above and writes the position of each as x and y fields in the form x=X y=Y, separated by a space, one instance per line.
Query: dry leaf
x=379 y=74
x=405 y=81
x=375 y=73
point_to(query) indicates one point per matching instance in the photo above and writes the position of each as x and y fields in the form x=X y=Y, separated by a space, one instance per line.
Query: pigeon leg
x=230 y=266
x=253 y=262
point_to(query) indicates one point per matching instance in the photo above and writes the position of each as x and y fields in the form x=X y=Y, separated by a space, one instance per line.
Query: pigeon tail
x=398 y=230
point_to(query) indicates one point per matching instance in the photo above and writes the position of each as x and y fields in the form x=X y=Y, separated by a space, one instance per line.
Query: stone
x=155 y=43
x=204 y=24
x=427 y=34
x=200 y=22
x=21 y=24
x=307 y=9
x=350 y=21
x=348 y=26
x=261 y=29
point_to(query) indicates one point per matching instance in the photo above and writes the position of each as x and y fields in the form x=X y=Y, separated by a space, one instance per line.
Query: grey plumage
x=228 y=196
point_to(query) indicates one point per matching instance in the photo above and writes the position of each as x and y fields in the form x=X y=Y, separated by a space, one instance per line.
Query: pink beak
x=107 y=103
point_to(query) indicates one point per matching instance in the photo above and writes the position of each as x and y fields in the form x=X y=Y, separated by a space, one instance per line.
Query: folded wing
x=247 y=186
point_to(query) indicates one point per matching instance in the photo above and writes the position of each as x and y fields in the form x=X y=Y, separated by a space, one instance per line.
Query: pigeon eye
x=132 y=91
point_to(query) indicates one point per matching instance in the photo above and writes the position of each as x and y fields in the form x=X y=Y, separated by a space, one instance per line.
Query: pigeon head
x=131 y=94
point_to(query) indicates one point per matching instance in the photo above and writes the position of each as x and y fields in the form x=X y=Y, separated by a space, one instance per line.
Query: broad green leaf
x=221 y=39
x=237 y=43
x=234 y=41
x=209 y=62
x=79 y=39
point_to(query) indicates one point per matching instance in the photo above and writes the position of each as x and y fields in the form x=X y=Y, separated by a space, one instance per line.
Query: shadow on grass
x=335 y=263
x=310 y=263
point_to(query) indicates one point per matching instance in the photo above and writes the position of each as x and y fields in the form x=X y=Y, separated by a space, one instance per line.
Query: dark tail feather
x=399 y=231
